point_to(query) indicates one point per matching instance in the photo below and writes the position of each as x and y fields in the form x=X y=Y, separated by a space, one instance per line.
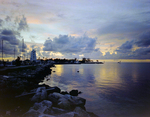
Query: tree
x=18 y=62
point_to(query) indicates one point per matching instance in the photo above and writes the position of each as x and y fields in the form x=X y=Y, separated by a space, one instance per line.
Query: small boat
x=119 y=62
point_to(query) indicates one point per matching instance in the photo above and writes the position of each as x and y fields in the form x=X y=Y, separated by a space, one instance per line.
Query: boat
x=119 y=62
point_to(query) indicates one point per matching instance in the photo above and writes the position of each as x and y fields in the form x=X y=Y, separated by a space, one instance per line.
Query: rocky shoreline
x=21 y=95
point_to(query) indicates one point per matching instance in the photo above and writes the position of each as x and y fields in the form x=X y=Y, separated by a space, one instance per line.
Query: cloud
x=69 y=44
x=125 y=47
x=1 y=21
x=142 y=43
x=11 y=36
x=143 y=40
x=23 y=24
x=142 y=51
x=128 y=28
x=73 y=46
x=8 y=18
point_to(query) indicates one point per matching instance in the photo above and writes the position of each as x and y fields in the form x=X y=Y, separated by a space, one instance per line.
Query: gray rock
x=64 y=104
x=69 y=114
x=41 y=94
x=54 y=97
x=41 y=105
x=36 y=97
x=58 y=110
x=31 y=113
x=67 y=102
x=81 y=112
x=38 y=109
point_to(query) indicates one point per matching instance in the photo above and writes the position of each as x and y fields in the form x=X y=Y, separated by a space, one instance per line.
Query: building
x=33 y=55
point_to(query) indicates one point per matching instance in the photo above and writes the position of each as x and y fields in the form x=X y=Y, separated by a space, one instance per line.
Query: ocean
x=110 y=89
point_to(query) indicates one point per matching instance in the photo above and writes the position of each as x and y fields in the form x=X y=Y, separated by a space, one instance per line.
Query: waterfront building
x=33 y=55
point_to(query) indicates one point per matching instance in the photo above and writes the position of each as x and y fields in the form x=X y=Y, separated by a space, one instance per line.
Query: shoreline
x=21 y=93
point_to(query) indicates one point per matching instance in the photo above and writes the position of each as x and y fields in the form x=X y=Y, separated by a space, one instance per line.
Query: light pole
x=2 y=49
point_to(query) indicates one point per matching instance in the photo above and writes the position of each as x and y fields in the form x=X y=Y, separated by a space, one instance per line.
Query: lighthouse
x=33 y=55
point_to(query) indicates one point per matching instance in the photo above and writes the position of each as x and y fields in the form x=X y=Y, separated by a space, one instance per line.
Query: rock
x=77 y=101
x=40 y=108
x=54 y=89
x=41 y=94
x=45 y=115
x=45 y=103
x=31 y=113
x=67 y=102
x=74 y=92
x=64 y=104
x=69 y=114
x=56 y=110
x=81 y=112
x=54 y=97
x=36 y=97
x=39 y=89
x=64 y=92
x=44 y=85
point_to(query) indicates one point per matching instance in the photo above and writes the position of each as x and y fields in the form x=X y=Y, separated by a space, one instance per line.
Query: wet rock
x=36 y=97
x=44 y=85
x=64 y=104
x=74 y=92
x=69 y=114
x=39 y=109
x=54 y=97
x=56 y=110
x=31 y=113
x=64 y=92
x=42 y=106
x=67 y=102
x=76 y=101
x=80 y=112
x=41 y=94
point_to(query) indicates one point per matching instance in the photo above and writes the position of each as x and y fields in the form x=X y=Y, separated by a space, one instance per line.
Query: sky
x=97 y=29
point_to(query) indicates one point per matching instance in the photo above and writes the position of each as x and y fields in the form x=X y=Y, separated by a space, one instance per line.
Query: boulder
x=74 y=92
x=44 y=103
x=31 y=113
x=54 y=97
x=36 y=97
x=58 y=110
x=53 y=89
x=41 y=94
x=39 y=108
x=80 y=112
x=67 y=102
x=64 y=104
x=77 y=101
x=69 y=114
x=64 y=92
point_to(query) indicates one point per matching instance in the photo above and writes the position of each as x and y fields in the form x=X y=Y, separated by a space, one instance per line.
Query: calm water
x=111 y=89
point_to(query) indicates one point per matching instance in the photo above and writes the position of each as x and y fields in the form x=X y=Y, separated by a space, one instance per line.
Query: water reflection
x=59 y=70
x=110 y=86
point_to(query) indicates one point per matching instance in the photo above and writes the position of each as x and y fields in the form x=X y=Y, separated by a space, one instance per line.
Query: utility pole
x=2 y=49
x=14 y=53
x=22 y=48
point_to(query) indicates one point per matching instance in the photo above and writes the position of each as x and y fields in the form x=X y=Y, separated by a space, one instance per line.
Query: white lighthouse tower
x=33 y=55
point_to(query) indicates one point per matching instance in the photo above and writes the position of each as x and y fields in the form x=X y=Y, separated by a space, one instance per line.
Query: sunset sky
x=97 y=29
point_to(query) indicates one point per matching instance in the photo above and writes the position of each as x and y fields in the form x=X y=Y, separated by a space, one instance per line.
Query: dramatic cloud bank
x=73 y=45
x=138 y=48
x=10 y=34
x=114 y=29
